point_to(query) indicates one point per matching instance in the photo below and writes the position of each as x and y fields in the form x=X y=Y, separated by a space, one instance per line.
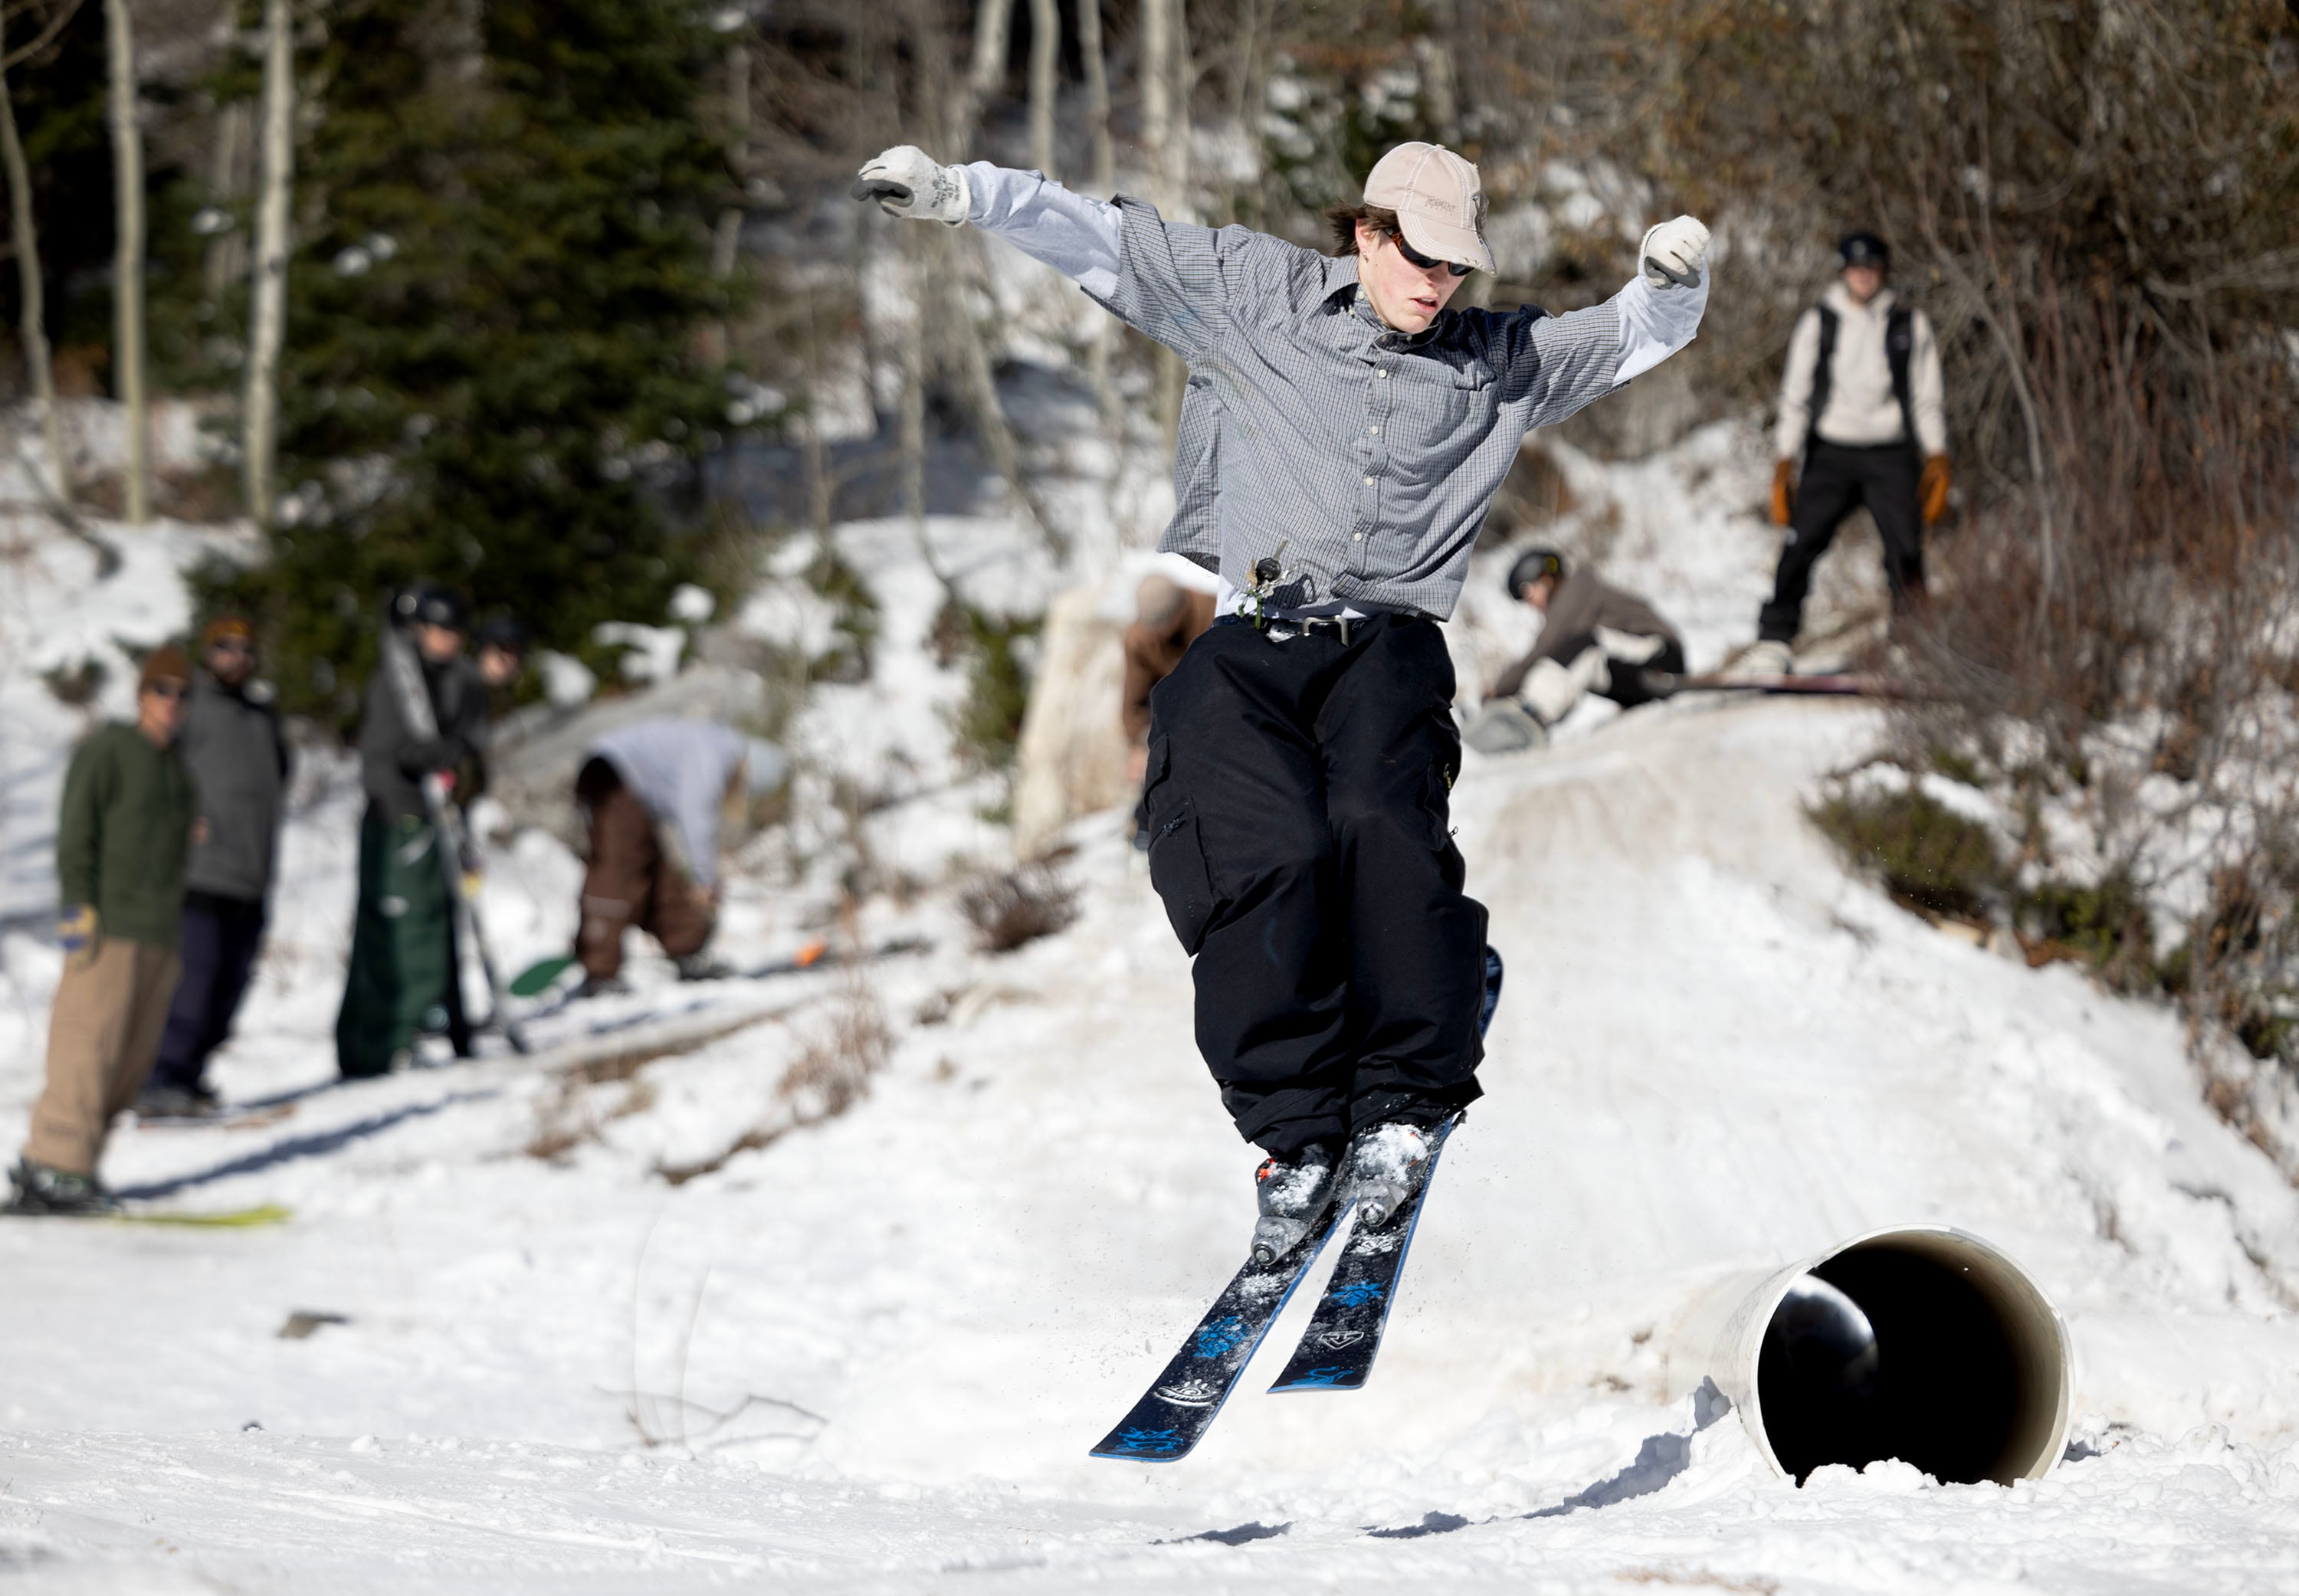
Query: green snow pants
x=403 y=975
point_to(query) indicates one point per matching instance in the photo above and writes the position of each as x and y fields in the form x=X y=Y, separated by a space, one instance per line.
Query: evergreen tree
x=494 y=310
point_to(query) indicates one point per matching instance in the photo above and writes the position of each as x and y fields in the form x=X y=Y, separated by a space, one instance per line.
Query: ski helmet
x=504 y=632
x=1531 y=566
x=434 y=606
x=1864 y=249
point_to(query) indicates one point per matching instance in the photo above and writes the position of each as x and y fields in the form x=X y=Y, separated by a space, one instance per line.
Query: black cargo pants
x=1838 y=479
x=1296 y=798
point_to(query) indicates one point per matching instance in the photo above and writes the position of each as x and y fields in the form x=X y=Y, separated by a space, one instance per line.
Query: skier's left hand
x=1672 y=253
x=909 y=183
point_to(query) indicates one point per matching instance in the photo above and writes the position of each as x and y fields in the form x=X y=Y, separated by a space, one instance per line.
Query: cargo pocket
x=1177 y=856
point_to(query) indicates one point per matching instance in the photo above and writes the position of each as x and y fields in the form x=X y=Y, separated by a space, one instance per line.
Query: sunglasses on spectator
x=231 y=645
x=166 y=688
x=1424 y=261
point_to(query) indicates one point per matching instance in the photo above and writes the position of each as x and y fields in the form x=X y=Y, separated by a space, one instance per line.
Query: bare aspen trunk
x=1097 y=95
x=1157 y=96
x=726 y=240
x=267 y=312
x=34 y=326
x=127 y=260
x=227 y=252
x=992 y=21
x=1045 y=64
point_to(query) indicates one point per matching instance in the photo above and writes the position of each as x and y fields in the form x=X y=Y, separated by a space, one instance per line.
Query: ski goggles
x=1414 y=255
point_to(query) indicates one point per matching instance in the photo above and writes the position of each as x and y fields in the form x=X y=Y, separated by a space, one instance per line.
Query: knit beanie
x=167 y=661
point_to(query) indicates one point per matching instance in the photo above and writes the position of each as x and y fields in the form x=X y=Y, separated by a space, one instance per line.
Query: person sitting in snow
x=659 y=799
x=1861 y=399
x=1301 y=755
x=123 y=833
x=1594 y=638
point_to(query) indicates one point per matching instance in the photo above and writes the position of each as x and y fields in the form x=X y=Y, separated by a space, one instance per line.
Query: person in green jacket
x=122 y=838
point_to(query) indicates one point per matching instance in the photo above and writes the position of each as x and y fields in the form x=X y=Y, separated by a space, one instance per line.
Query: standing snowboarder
x=1861 y=401
x=404 y=975
x=235 y=753
x=1301 y=755
x=122 y=833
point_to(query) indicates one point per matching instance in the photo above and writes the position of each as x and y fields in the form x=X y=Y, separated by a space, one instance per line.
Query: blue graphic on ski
x=1336 y=1351
x=1178 y=1409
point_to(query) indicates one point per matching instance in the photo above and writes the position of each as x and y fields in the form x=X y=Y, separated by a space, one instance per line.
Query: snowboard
x=228 y=1218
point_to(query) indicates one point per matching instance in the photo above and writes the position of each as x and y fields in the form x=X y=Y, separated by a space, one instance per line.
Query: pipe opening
x=1911 y=1347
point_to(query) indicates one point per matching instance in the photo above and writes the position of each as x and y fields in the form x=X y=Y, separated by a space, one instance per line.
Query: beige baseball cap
x=1439 y=202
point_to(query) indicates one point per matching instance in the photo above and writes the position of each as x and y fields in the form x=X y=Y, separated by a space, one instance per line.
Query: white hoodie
x=1861 y=409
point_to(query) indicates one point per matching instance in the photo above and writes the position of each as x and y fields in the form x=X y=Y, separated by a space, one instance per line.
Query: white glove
x=1672 y=253
x=907 y=182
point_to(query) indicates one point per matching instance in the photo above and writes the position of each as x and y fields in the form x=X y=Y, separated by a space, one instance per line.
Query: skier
x=405 y=971
x=1594 y=638
x=659 y=799
x=233 y=749
x=1301 y=755
x=1861 y=400
x=122 y=834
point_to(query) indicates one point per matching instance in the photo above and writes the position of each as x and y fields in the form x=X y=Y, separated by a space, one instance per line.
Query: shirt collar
x=1341 y=278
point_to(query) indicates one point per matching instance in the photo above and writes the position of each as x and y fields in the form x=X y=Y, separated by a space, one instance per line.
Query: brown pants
x=103 y=1035
x=631 y=881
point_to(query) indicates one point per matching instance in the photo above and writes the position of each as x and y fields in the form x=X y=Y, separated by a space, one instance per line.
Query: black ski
x=1174 y=1413
x=1336 y=1351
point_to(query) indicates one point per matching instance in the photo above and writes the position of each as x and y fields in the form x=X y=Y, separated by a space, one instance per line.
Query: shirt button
x=1375 y=427
x=1359 y=538
x=1368 y=482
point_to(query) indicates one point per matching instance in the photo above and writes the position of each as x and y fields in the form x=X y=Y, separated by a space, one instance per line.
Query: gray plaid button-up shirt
x=1368 y=456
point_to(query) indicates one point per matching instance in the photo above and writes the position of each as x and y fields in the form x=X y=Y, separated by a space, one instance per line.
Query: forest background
x=492 y=291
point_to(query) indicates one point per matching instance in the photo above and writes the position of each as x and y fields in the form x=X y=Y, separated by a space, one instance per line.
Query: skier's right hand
x=907 y=182
x=1783 y=491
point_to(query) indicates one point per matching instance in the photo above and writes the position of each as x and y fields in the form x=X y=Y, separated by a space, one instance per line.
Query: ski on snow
x=1335 y=1354
x=1337 y=1351
x=1179 y=1407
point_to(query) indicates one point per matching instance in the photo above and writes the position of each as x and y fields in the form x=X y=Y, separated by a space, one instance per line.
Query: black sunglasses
x=1424 y=261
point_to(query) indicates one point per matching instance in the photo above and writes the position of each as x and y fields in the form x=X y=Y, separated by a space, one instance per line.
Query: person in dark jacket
x=1594 y=638
x=404 y=975
x=233 y=749
x=122 y=835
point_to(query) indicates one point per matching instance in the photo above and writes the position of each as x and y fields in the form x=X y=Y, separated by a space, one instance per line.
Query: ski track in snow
x=870 y=1357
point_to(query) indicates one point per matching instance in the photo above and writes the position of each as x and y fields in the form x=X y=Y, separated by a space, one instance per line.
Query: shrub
x=1930 y=857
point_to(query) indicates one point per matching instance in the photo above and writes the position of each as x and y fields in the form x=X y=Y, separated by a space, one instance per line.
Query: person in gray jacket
x=233 y=749
x=1594 y=638
x=661 y=798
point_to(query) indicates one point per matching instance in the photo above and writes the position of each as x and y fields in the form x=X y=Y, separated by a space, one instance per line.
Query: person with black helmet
x=500 y=649
x=1861 y=402
x=403 y=974
x=1594 y=638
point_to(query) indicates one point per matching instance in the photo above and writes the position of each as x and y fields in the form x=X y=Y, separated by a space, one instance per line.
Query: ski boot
x=177 y=1103
x=40 y=1189
x=701 y=966
x=602 y=985
x=1296 y=1193
x=1387 y=1164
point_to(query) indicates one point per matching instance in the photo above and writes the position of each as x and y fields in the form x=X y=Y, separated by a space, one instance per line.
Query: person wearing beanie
x=1861 y=403
x=1594 y=638
x=660 y=799
x=235 y=752
x=1301 y=753
x=403 y=975
x=123 y=832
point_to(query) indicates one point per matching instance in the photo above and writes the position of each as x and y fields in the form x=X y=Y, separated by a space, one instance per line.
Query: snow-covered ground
x=870 y=1354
